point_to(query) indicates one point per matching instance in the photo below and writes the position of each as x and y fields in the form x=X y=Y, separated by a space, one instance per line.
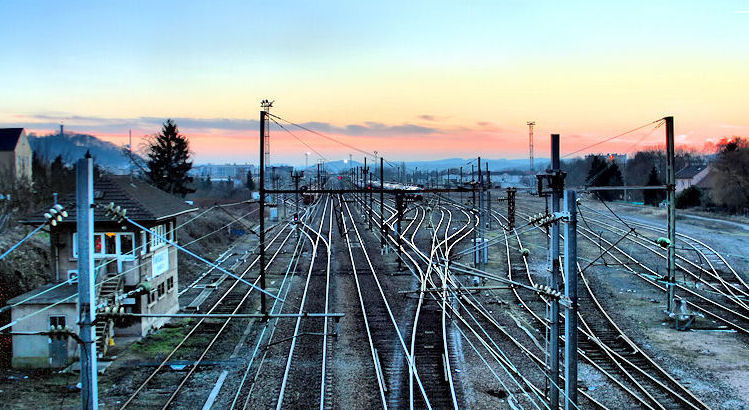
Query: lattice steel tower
x=530 y=141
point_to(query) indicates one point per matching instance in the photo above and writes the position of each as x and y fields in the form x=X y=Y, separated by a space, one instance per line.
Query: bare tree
x=731 y=181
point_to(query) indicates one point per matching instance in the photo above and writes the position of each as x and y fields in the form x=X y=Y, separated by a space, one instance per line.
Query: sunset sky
x=412 y=80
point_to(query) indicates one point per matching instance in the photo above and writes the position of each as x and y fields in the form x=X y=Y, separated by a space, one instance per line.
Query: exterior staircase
x=106 y=292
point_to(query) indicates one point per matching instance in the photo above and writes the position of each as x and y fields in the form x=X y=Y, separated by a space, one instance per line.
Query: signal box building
x=135 y=269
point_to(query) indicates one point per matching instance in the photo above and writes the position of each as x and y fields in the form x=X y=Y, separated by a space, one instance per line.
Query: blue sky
x=585 y=69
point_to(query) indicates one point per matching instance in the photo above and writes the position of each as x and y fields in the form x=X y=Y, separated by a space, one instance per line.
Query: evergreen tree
x=653 y=196
x=689 y=197
x=250 y=183
x=605 y=173
x=169 y=160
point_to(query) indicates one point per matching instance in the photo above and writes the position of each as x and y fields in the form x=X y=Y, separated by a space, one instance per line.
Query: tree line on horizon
x=729 y=176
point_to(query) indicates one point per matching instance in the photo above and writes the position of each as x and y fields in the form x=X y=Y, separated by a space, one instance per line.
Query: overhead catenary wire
x=645 y=136
x=610 y=139
x=372 y=154
x=114 y=277
x=25 y=238
x=200 y=258
x=300 y=140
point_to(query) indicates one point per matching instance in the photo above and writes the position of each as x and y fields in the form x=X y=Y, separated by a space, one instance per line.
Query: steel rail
x=370 y=341
x=715 y=274
x=329 y=246
x=313 y=209
x=390 y=314
x=290 y=356
x=611 y=352
x=533 y=388
x=498 y=354
x=476 y=304
x=223 y=327
x=504 y=360
x=189 y=334
x=687 y=290
x=270 y=324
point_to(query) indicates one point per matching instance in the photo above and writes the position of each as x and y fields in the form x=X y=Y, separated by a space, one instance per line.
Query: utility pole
x=476 y=256
x=557 y=184
x=86 y=279
x=296 y=176
x=671 y=198
x=274 y=185
x=370 y=201
x=365 y=170
x=461 y=185
x=383 y=230
x=488 y=198
x=511 y=207
x=399 y=207
x=530 y=141
x=130 y=152
x=482 y=218
x=265 y=105
x=570 y=291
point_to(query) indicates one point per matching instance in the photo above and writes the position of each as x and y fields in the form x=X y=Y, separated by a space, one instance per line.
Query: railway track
x=284 y=369
x=715 y=304
x=392 y=362
x=430 y=380
x=162 y=383
x=604 y=344
x=413 y=347
x=303 y=381
x=708 y=267
x=485 y=346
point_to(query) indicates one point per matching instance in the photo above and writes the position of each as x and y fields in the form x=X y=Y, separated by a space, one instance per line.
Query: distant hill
x=74 y=146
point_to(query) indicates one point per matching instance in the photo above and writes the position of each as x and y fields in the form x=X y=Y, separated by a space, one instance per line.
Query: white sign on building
x=160 y=262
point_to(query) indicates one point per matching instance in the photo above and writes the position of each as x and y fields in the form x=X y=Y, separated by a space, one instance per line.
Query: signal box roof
x=143 y=201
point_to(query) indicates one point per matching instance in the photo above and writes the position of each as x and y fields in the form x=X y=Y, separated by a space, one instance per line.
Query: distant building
x=133 y=267
x=236 y=173
x=508 y=180
x=15 y=154
x=691 y=175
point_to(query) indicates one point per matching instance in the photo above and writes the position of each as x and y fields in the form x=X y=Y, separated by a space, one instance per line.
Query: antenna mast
x=266 y=106
x=530 y=141
x=130 y=151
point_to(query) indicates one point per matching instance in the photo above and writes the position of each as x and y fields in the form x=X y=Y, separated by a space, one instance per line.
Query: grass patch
x=165 y=339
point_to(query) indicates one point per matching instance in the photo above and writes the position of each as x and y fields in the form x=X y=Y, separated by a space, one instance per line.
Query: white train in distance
x=412 y=191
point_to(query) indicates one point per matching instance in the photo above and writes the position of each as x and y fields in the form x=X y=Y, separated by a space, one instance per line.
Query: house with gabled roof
x=15 y=154
x=691 y=175
x=133 y=268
